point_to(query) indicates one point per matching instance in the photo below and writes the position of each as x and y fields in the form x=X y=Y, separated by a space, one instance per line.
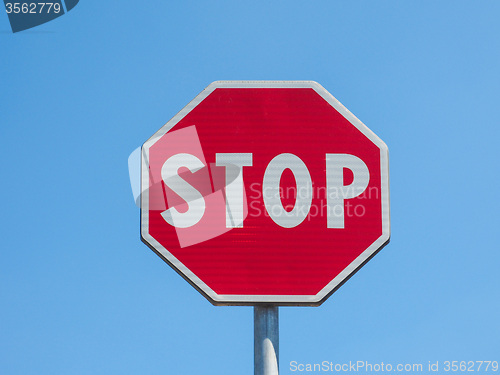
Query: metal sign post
x=214 y=205
x=266 y=340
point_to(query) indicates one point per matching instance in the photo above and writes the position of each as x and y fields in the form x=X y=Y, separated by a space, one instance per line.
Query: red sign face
x=265 y=192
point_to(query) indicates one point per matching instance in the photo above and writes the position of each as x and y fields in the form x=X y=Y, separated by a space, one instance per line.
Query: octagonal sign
x=265 y=192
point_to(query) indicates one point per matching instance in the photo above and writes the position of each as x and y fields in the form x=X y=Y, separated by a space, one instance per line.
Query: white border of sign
x=291 y=300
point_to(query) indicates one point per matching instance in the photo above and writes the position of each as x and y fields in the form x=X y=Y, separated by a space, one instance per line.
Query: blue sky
x=80 y=293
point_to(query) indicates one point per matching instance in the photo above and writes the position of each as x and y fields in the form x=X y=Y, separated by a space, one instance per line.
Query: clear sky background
x=81 y=294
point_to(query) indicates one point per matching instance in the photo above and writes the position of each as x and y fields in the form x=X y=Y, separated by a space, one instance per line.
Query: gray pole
x=266 y=340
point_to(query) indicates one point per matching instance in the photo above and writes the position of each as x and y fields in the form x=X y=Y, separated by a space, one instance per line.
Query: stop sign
x=265 y=192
